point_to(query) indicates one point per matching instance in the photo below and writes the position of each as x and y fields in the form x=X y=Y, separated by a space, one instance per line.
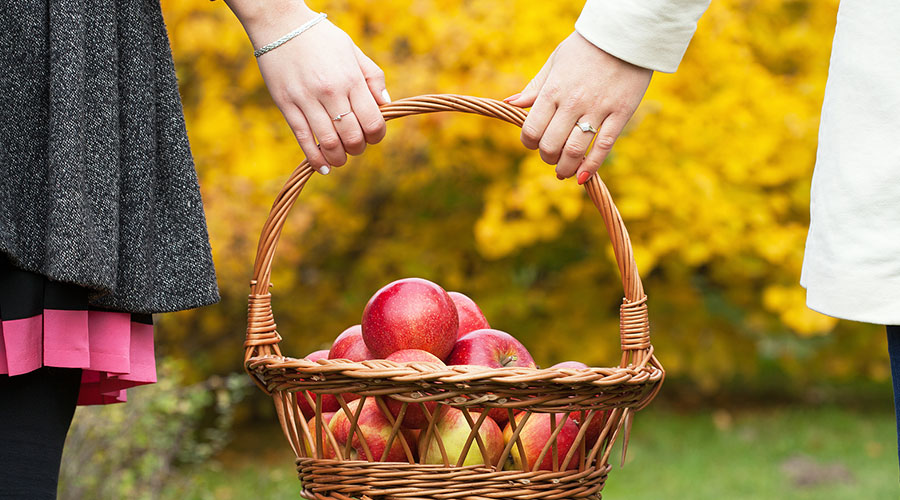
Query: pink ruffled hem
x=114 y=352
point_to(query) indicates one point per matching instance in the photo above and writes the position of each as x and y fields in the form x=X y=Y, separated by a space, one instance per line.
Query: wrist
x=267 y=19
x=608 y=56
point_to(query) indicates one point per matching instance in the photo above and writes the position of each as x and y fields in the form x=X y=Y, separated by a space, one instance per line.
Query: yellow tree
x=712 y=178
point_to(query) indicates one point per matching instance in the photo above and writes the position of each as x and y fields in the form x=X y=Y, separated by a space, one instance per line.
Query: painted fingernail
x=385 y=95
x=513 y=97
x=324 y=170
x=583 y=177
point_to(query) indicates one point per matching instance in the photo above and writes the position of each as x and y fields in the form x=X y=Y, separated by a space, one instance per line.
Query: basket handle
x=262 y=337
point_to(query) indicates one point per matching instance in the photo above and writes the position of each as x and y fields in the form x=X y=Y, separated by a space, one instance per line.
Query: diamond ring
x=586 y=127
x=341 y=116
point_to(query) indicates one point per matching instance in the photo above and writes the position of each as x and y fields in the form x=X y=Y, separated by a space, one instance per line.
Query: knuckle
x=530 y=133
x=572 y=101
x=310 y=147
x=622 y=108
x=375 y=126
x=355 y=141
x=287 y=93
x=316 y=159
x=548 y=148
x=552 y=91
x=294 y=94
x=303 y=136
x=604 y=142
x=573 y=150
x=549 y=155
x=330 y=141
x=326 y=89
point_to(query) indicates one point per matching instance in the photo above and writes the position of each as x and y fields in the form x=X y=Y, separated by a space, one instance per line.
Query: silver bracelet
x=290 y=36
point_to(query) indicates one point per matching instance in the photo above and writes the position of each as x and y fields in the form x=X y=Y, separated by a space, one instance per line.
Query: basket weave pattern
x=610 y=395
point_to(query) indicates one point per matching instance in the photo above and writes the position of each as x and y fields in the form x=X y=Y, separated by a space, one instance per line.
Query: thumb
x=526 y=98
x=374 y=77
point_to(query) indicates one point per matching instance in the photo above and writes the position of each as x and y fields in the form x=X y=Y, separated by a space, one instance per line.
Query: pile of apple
x=415 y=320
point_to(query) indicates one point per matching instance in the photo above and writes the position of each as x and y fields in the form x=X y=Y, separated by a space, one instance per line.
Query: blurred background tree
x=712 y=178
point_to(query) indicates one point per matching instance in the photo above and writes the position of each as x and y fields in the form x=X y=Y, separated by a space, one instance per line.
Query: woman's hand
x=316 y=77
x=579 y=83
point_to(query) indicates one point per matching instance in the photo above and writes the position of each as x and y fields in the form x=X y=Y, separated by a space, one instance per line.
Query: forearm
x=263 y=18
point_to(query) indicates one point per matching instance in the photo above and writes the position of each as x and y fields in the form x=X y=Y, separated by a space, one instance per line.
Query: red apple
x=415 y=355
x=413 y=418
x=595 y=427
x=535 y=435
x=326 y=418
x=491 y=348
x=470 y=316
x=499 y=415
x=350 y=345
x=317 y=355
x=571 y=365
x=411 y=313
x=454 y=430
x=599 y=420
x=329 y=403
x=375 y=429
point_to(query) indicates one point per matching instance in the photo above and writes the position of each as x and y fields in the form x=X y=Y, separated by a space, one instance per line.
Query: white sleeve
x=649 y=33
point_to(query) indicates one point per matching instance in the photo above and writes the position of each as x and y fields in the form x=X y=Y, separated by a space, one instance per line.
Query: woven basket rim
x=433 y=372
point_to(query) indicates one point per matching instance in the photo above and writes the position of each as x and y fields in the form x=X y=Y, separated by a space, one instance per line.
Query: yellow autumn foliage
x=711 y=176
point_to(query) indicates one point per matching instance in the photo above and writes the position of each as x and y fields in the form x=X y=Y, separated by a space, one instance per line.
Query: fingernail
x=324 y=170
x=583 y=177
x=559 y=176
x=385 y=95
x=513 y=97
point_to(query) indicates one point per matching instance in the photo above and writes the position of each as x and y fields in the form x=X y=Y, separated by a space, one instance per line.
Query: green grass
x=777 y=454
x=788 y=454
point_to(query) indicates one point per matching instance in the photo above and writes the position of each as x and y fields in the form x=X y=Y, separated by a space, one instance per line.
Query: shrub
x=131 y=450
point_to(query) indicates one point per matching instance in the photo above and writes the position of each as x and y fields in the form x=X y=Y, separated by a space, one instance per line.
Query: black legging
x=893 y=335
x=36 y=410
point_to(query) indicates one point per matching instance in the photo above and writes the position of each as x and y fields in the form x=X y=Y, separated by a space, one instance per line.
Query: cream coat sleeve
x=649 y=33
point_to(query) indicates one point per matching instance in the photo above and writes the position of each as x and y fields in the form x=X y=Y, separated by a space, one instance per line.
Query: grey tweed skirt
x=98 y=186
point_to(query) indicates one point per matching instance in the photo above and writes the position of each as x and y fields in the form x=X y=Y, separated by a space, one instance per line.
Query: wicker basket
x=609 y=394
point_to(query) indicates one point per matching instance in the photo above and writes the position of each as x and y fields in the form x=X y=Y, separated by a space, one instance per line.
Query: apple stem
x=508 y=360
